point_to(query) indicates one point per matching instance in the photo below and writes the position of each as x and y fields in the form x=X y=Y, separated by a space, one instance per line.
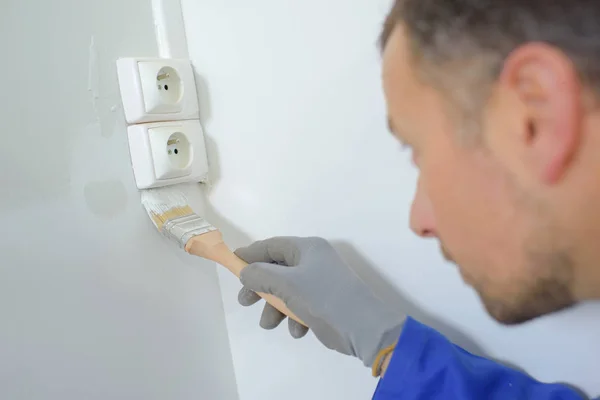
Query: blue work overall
x=427 y=366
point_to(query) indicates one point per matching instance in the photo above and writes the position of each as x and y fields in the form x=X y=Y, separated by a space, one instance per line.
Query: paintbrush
x=170 y=212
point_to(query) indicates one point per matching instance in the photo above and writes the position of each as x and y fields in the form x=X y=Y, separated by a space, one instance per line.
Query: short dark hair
x=482 y=33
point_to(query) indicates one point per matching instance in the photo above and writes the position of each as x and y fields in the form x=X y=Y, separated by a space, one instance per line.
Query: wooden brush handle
x=211 y=246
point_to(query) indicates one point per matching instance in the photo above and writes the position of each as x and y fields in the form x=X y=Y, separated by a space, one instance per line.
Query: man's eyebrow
x=395 y=133
x=390 y=125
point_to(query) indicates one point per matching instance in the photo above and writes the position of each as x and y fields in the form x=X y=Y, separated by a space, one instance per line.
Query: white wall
x=295 y=116
x=94 y=303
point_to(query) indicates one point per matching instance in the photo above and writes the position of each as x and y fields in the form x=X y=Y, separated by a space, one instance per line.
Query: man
x=498 y=102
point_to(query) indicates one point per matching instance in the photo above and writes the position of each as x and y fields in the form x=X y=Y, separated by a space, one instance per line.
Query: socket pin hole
x=180 y=150
x=170 y=85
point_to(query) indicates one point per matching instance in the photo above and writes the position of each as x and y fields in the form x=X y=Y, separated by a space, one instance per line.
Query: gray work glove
x=317 y=286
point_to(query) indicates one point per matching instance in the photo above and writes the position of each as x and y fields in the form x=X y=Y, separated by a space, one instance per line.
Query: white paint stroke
x=93 y=77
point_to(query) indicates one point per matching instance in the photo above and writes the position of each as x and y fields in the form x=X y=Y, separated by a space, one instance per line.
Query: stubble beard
x=547 y=289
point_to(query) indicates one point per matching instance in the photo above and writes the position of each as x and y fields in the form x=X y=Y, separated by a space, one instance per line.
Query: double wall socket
x=167 y=153
x=157 y=89
x=166 y=142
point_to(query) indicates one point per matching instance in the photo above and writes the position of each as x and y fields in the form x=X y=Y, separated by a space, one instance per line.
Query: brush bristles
x=160 y=219
x=163 y=204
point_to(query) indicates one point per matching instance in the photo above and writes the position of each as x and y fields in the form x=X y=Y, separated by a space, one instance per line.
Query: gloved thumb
x=266 y=278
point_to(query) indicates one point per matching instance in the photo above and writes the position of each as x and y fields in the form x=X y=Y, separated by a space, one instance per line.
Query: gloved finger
x=247 y=297
x=266 y=278
x=296 y=330
x=281 y=250
x=271 y=317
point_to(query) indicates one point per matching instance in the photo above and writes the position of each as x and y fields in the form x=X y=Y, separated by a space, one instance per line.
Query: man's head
x=498 y=101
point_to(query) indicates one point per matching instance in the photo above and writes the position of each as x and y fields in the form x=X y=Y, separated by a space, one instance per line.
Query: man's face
x=501 y=237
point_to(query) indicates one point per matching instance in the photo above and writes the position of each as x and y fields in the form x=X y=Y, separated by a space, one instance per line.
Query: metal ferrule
x=182 y=229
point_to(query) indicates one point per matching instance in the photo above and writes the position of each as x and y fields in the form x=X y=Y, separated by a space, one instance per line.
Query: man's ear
x=542 y=94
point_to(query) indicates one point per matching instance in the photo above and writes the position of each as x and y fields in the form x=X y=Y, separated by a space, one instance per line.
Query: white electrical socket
x=157 y=89
x=167 y=153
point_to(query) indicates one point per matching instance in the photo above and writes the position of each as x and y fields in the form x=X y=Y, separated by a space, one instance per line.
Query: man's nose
x=422 y=221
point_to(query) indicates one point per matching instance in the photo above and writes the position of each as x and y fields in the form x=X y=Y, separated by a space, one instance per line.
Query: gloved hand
x=317 y=286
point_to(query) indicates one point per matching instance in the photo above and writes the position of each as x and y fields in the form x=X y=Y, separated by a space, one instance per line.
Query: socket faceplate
x=167 y=153
x=156 y=89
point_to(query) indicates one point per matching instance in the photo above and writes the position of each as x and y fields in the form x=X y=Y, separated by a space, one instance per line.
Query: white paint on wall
x=94 y=303
x=293 y=108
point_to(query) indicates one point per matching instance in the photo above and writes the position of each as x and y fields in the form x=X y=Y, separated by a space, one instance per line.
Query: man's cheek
x=440 y=184
x=450 y=204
